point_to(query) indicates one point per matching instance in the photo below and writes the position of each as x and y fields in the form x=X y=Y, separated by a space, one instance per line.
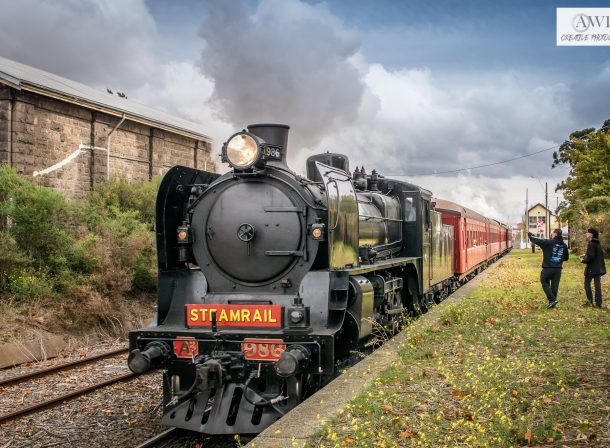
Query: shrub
x=145 y=273
x=27 y=284
x=88 y=256
x=9 y=183
x=118 y=195
x=40 y=223
x=11 y=258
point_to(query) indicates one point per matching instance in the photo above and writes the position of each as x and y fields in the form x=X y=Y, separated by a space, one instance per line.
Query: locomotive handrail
x=381 y=218
x=309 y=204
x=334 y=181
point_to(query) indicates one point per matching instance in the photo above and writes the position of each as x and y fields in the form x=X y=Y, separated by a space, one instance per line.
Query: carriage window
x=410 y=211
x=427 y=214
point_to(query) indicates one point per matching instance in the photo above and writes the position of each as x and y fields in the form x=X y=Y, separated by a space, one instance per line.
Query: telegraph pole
x=527 y=221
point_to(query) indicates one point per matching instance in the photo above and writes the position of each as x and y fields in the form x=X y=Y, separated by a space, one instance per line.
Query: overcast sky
x=408 y=88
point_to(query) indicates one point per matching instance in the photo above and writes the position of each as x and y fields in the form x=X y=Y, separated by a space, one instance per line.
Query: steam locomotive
x=269 y=280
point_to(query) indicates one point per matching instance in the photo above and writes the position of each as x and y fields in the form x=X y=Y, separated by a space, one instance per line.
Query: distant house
x=537 y=221
x=72 y=136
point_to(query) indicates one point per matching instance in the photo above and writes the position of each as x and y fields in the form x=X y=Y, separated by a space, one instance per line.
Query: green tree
x=587 y=187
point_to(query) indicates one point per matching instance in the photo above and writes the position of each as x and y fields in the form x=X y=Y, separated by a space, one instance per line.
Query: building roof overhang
x=24 y=78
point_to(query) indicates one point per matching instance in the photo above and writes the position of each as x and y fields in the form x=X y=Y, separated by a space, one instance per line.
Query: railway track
x=62 y=367
x=56 y=401
x=161 y=439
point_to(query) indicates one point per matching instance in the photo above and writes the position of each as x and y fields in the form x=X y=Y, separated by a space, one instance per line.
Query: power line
x=479 y=166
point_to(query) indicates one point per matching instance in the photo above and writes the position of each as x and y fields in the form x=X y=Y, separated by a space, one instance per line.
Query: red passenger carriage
x=477 y=242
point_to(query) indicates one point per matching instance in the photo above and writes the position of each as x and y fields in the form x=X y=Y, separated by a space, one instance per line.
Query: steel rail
x=59 y=400
x=168 y=433
x=59 y=367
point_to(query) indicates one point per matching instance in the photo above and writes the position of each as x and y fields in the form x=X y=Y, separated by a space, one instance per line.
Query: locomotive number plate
x=185 y=347
x=271 y=152
x=262 y=349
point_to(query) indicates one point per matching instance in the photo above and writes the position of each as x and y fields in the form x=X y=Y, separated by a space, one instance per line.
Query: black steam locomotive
x=268 y=280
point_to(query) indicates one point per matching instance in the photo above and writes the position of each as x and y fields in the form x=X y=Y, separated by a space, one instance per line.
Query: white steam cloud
x=289 y=63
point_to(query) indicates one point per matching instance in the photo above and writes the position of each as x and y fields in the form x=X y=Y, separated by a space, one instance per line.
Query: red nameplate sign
x=234 y=315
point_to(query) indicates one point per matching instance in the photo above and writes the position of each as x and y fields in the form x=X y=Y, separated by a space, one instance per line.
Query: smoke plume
x=288 y=62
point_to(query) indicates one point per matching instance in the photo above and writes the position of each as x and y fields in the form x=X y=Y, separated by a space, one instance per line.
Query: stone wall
x=45 y=131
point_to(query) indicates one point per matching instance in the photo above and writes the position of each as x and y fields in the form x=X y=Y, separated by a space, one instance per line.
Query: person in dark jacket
x=594 y=259
x=554 y=252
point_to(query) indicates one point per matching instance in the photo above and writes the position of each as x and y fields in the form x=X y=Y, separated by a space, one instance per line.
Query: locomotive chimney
x=275 y=135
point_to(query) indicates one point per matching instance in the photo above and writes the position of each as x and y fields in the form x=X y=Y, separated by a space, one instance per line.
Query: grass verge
x=498 y=370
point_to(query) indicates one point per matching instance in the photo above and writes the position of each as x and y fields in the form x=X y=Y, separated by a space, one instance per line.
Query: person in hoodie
x=594 y=259
x=554 y=252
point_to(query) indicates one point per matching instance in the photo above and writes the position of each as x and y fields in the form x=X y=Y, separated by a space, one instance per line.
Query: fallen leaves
x=583 y=378
x=407 y=434
x=458 y=394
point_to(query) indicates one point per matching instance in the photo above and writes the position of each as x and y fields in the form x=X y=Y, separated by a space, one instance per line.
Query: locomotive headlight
x=296 y=316
x=242 y=151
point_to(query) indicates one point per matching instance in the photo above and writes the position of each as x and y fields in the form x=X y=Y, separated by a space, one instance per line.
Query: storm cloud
x=288 y=62
x=103 y=44
x=423 y=124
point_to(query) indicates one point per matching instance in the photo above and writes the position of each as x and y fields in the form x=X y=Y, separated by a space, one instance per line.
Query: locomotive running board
x=191 y=414
x=383 y=264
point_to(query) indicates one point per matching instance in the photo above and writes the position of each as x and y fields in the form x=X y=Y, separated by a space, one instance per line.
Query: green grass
x=499 y=369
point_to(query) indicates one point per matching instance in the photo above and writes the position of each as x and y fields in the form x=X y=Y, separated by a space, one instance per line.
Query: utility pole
x=546 y=206
x=526 y=225
x=527 y=218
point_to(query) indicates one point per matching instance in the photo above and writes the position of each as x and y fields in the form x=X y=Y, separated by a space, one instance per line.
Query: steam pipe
x=108 y=146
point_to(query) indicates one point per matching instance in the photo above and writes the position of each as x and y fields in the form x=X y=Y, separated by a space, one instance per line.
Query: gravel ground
x=86 y=350
x=121 y=415
x=60 y=383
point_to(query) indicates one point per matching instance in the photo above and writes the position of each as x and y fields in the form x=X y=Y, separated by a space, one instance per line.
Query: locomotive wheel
x=413 y=306
x=427 y=302
x=419 y=306
x=438 y=296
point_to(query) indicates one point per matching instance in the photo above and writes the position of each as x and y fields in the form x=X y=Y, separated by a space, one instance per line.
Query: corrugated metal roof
x=21 y=76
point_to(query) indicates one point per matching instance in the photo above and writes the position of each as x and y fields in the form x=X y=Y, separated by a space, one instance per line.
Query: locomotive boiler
x=268 y=280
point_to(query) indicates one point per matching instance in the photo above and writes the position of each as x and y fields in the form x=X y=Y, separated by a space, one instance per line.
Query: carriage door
x=426 y=245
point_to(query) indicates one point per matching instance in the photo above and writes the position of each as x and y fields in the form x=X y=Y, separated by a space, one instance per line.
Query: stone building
x=72 y=136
